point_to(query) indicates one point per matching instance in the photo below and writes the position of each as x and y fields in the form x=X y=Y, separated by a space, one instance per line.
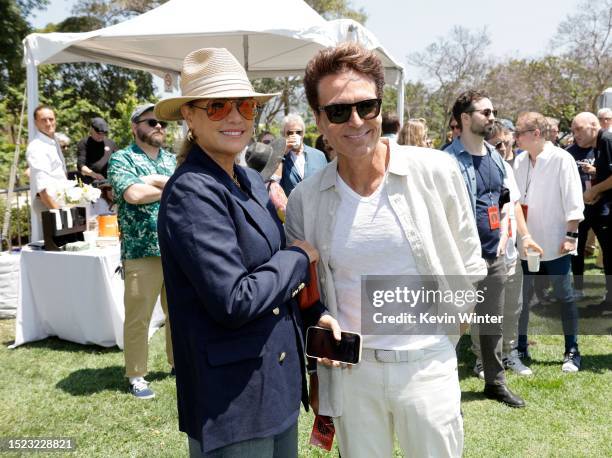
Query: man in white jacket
x=382 y=209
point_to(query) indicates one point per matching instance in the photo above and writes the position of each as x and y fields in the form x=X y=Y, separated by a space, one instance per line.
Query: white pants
x=418 y=400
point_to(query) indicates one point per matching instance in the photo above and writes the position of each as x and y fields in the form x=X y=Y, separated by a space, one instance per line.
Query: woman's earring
x=190 y=136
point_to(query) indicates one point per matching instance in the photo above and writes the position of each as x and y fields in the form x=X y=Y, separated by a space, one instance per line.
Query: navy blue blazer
x=315 y=160
x=229 y=280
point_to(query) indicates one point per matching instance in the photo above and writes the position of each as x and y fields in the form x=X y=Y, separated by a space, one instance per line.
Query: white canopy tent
x=270 y=38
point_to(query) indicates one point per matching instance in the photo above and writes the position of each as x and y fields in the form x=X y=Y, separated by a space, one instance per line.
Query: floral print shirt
x=137 y=223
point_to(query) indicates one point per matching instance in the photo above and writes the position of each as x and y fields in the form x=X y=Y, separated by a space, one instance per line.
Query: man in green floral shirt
x=138 y=175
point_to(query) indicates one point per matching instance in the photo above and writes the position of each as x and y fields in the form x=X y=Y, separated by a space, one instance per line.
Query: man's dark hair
x=344 y=57
x=42 y=107
x=465 y=103
x=263 y=134
x=390 y=123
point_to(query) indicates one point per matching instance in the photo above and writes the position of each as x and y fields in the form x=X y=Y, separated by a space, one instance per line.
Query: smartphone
x=320 y=343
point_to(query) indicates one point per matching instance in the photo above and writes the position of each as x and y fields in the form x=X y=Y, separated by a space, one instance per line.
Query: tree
x=585 y=38
x=454 y=64
x=336 y=9
x=113 y=11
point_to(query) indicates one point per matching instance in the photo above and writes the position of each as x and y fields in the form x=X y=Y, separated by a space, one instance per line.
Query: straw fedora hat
x=209 y=73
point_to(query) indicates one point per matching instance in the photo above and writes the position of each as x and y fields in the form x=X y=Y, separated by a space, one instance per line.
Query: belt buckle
x=385 y=356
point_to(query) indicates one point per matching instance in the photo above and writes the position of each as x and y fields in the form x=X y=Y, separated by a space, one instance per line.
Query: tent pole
x=400 y=99
x=245 y=49
x=32 y=88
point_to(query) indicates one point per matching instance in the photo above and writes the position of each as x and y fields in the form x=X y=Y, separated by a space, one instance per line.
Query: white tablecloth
x=76 y=296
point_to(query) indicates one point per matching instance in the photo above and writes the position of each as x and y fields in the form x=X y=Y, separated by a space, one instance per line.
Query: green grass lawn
x=54 y=388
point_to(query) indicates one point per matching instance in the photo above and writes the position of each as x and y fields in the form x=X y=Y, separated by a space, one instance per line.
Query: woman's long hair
x=414 y=132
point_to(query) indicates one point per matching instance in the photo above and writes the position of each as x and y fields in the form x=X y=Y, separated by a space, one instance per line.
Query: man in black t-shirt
x=588 y=134
x=94 y=152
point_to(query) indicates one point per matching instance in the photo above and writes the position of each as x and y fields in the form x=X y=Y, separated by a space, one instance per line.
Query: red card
x=323 y=432
x=525 y=207
x=509 y=228
x=493 y=212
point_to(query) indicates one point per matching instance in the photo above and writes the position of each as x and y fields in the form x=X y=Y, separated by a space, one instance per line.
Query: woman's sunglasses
x=339 y=113
x=153 y=123
x=217 y=110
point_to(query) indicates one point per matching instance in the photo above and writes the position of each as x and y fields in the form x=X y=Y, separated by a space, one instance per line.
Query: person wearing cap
x=94 y=152
x=231 y=277
x=47 y=167
x=138 y=175
x=301 y=161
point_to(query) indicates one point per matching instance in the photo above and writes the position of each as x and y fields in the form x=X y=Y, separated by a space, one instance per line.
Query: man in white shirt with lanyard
x=553 y=206
x=47 y=167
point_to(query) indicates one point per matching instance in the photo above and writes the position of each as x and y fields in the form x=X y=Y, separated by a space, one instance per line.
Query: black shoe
x=502 y=394
x=603 y=306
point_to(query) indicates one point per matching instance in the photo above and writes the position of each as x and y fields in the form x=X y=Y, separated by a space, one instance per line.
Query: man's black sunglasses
x=338 y=113
x=100 y=131
x=153 y=122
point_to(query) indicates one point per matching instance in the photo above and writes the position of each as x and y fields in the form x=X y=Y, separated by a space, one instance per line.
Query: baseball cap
x=99 y=125
x=140 y=110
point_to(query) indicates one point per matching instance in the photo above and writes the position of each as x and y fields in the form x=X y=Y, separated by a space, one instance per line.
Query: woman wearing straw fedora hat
x=230 y=278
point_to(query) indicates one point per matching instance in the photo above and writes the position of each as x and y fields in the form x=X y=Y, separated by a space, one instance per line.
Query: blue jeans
x=558 y=271
x=283 y=445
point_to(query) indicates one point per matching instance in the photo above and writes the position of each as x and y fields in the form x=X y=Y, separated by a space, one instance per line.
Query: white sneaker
x=578 y=294
x=478 y=369
x=512 y=361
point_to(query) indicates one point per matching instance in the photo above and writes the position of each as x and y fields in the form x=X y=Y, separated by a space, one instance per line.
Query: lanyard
x=527 y=179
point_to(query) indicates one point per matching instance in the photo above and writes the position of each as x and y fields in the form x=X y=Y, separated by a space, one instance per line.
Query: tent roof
x=269 y=38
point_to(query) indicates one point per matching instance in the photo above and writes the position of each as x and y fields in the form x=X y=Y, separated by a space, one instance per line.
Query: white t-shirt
x=300 y=162
x=368 y=240
x=46 y=163
x=552 y=191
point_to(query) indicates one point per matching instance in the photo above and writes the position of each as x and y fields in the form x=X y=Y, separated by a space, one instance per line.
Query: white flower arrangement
x=70 y=193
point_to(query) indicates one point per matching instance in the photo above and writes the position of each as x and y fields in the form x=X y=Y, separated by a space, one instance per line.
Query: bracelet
x=573 y=239
x=572 y=235
x=525 y=237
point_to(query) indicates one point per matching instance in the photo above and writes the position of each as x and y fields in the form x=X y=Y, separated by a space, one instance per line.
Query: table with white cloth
x=76 y=296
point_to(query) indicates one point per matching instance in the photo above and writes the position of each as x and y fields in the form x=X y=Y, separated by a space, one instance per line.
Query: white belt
x=391 y=356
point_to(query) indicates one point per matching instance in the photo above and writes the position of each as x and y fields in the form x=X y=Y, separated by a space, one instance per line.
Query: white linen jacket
x=428 y=196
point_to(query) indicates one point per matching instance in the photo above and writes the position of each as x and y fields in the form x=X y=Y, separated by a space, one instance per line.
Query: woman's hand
x=313 y=254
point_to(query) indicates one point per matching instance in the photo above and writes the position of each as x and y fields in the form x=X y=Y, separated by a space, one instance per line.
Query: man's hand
x=568 y=246
x=530 y=245
x=329 y=322
x=588 y=168
x=591 y=196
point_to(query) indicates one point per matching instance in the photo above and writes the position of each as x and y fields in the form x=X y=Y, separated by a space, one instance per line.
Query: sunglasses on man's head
x=338 y=113
x=216 y=110
x=153 y=122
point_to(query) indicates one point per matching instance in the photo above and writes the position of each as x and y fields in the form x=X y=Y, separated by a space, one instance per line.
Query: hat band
x=207 y=86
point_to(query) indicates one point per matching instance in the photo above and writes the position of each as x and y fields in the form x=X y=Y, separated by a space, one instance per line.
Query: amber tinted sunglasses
x=216 y=110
